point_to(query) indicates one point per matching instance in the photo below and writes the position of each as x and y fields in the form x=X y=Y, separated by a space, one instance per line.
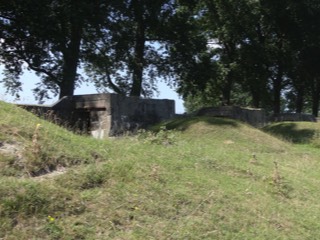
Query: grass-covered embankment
x=205 y=178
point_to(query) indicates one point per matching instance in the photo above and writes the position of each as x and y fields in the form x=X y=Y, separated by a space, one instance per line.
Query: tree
x=262 y=48
x=259 y=53
x=128 y=57
x=305 y=39
x=223 y=30
x=190 y=60
x=46 y=37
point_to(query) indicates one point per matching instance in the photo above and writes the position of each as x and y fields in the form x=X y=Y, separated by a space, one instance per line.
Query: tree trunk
x=226 y=90
x=315 y=106
x=138 y=64
x=277 y=87
x=300 y=99
x=256 y=99
x=315 y=98
x=226 y=95
x=71 y=56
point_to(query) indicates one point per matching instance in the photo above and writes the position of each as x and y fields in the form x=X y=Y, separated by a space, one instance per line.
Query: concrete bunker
x=104 y=115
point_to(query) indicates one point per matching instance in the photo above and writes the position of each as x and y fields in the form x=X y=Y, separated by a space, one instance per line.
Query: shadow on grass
x=290 y=132
x=183 y=123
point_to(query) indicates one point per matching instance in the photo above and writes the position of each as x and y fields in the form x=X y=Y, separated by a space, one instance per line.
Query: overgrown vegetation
x=196 y=178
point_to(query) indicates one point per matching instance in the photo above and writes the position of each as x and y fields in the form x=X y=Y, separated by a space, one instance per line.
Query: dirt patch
x=11 y=149
x=48 y=175
x=228 y=142
x=15 y=149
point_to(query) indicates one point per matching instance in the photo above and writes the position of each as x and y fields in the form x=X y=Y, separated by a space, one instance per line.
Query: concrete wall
x=96 y=111
x=254 y=117
x=132 y=113
x=296 y=117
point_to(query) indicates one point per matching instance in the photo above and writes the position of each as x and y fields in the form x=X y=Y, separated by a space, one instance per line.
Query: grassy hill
x=202 y=178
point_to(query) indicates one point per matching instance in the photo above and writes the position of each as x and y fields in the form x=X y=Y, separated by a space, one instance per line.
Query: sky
x=29 y=80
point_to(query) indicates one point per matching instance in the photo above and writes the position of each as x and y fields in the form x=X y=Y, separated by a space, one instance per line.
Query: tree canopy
x=264 y=54
x=259 y=53
x=46 y=37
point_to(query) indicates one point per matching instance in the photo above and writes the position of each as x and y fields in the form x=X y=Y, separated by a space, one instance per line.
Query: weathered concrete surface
x=131 y=113
x=294 y=117
x=254 y=117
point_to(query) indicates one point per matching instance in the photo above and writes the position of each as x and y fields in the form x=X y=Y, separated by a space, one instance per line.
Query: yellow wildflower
x=51 y=219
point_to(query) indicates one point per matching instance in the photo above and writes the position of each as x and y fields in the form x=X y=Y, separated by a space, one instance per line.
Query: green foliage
x=52 y=52
x=128 y=56
x=257 y=53
x=199 y=100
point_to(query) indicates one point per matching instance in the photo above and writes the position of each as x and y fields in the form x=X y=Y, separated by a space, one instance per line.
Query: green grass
x=296 y=132
x=195 y=180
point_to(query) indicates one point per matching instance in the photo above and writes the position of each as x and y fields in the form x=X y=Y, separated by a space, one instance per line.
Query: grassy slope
x=196 y=183
x=296 y=132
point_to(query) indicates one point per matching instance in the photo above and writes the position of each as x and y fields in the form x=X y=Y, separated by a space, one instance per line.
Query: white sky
x=29 y=80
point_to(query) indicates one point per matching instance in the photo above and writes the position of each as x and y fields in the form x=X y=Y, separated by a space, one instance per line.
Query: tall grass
x=196 y=178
